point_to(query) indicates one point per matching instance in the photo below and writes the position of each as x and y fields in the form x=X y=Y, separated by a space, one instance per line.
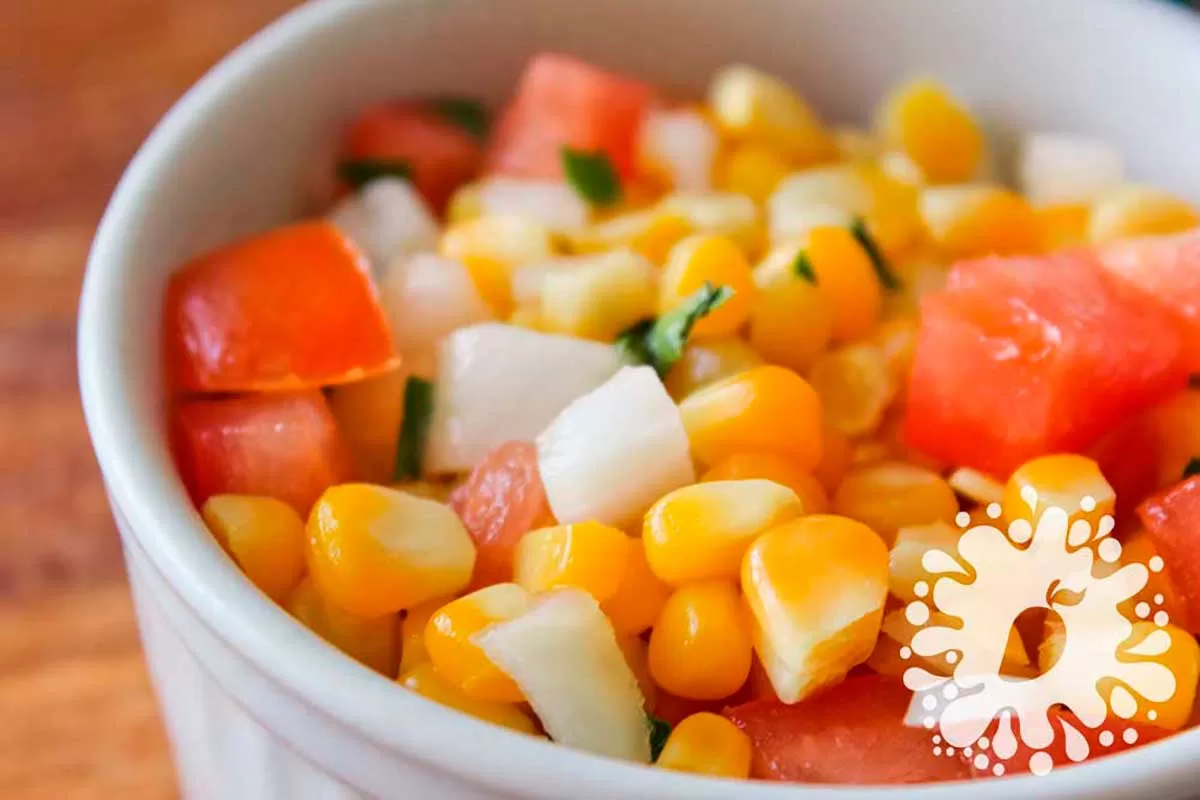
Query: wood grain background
x=81 y=84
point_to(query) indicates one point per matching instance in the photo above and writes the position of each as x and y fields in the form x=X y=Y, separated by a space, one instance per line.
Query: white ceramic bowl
x=257 y=707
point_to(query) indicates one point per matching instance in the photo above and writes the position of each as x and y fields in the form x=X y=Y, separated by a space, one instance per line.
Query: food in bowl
x=630 y=421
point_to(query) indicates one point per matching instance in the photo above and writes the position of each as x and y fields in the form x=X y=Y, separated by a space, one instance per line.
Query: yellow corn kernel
x=368 y=416
x=847 y=278
x=598 y=297
x=753 y=170
x=465 y=204
x=720 y=214
x=527 y=317
x=1175 y=424
x=264 y=536
x=425 y=680
x=585 y=555
x=715 y=260
x=855 y=387
x=816 y=586
x=755 y=106
x=1139 y=548
x=791 y=321
x=1128 y=211
x=975 y=485
x=1063 y=225
x=892 y=495
x=412 y=632
x=707 y=744
x=704 y=363
x=374 y=550
x=899 y=166
x=372 y=641
x=932 y=127
x=897 y=632
x=920 y=274
x=457 y=659
x=855 y=144
x=700 y=644
x=766 y=409
x=652 y=233
x=836 y=455
x=980 y=219
x=491 y=248
x=904 y=560
x=772 y=467
x=897 y=339
x=637 y=655
x=639 y=596
x=1059 y=481
x=702 y=531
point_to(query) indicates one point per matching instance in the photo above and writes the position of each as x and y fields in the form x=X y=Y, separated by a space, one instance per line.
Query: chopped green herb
x=1192 y=468
x=660 y=731
x=660 y=342
x=359 y=172
x=887 y=278
x=803 y=267
x=469 y=114
x=418 y=409
x=592 y=176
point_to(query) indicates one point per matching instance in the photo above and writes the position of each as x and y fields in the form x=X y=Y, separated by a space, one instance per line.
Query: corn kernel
x=816 y=587
x=1063 y=225
x=766 y=409
x=598 y=297
x=639 y=596
x=372 y=641
x=700 y=644
x=448 y=641
x=652 y=233
x=904 y=560
x=847 y=278
x=702 y=531
x=1176 y=428
x=1059 y=481
x=412 y=632
x=368 y=416
x=855 y=144
x=1138 y=548
x=899 y=166
x=890 y=496
x=771 y=467
x=527 y=317
x=836 y=453
x=718 y=213
x=585 y=555
x=464 y=205
x=704 y=363
x=715 y=260
x=637 y=655
x=491 y=248
x=926 y=122
x=755 y=106
x=980 y=219
x=707 y=744
x=264 y=536
x=753 y=170
x=791 y=322
x=855 y=387
x=425 y=681
x=1129 y=211
x=374 y=550
x=975 y=485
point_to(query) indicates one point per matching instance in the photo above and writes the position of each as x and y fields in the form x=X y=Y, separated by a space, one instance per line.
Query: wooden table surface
x=81 y=84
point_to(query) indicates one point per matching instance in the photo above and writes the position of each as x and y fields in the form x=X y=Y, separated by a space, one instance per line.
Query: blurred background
x=81 y=84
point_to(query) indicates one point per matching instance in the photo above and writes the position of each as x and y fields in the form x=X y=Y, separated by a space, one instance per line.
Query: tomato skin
x=852 y=733
x=440 y=155
x=563 y=101
x=500 y=502
x=1019 y=357
x=288 y=309
x=1172 y=521
x=282 y=445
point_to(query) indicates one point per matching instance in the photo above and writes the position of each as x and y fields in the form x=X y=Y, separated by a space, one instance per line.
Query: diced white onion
x=551 y=203
x=498 y=383
x=427 y=297
x=387 y=219
x=1056 y=168
x=817 y=197
x=564 y=656
x=681 y=143
x=610 y=454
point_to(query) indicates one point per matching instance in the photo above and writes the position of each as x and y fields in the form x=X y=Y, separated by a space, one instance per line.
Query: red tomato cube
x=1172 y=521
x=563 y=101
x=289 y=309
x=1023 y=356
x=284 y=445
x=851 y=733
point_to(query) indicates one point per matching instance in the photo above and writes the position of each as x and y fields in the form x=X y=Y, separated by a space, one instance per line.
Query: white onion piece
x=387 y=218
x=1056 y=168
x=427 y=297
x=551 y=203
x=497 y=383
x=613 y=452
x=564 y=656
x=681 y=143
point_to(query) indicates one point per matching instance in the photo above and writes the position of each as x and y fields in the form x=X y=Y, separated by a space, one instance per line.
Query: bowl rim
x=170 y=533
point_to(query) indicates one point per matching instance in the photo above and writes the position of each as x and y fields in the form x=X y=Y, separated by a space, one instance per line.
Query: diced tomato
x=1167 y=270
x=1128 y=457
x=502 y=501
x=289 y=309
x=1172 y=520
x=439 y=154
x=283 y=445
x=1023 y=356
x=563 y=101
x=851 y=733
